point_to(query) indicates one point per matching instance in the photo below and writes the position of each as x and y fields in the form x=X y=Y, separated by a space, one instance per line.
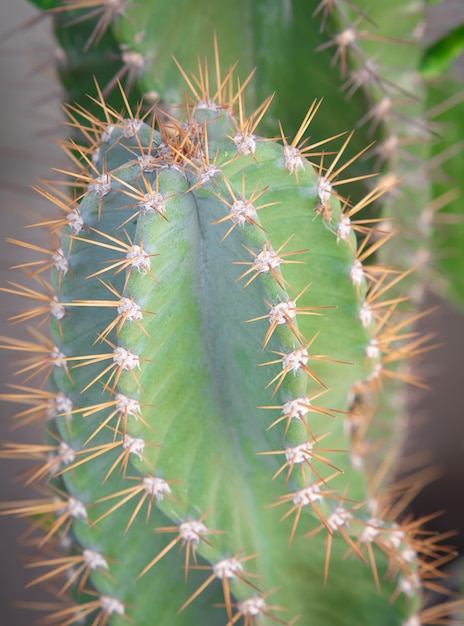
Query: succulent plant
x=224 y=327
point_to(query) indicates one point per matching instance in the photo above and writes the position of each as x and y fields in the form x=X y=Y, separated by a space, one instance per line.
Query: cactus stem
x=183 y=163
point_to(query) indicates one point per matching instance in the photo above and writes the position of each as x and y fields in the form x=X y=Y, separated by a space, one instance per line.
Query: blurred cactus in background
x=231 y=295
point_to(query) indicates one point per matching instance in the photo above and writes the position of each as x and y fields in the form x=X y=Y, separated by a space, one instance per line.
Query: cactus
x=222 y=327
x=378 y=59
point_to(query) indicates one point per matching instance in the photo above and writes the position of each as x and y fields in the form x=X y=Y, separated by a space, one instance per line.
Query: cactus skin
x=169 y=411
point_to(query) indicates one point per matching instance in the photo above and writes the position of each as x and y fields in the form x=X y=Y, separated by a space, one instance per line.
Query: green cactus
x=306 y=49
x=218 y=444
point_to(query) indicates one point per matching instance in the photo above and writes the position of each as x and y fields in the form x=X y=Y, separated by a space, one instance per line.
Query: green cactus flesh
x=214 y=331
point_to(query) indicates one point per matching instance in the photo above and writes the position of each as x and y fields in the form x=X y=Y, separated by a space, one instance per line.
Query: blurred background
x=30 y=114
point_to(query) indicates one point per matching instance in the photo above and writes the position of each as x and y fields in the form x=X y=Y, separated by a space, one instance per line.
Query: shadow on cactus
x=218 y=339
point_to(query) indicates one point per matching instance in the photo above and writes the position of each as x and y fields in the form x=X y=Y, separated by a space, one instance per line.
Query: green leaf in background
x=46 y=5
x=439 y=56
